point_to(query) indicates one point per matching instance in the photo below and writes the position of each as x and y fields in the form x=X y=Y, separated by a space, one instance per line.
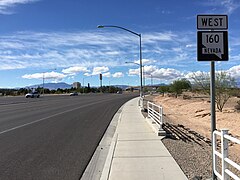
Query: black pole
x=213 y=112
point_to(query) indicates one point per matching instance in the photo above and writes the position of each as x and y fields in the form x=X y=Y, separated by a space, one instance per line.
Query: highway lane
x=53 y=137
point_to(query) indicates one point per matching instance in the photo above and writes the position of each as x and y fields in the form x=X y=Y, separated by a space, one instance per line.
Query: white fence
x=140 y=102
x=225 y=172
x=155 y=112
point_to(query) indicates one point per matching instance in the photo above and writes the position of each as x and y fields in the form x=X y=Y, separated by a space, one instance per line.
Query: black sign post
x=212 y=46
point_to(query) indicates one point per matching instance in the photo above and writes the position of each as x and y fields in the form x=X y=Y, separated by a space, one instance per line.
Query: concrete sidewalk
x=136 y=152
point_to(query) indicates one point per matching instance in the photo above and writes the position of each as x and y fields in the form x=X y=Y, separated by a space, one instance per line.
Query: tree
x=223 y=84
x=178 y=86
x=163 y=89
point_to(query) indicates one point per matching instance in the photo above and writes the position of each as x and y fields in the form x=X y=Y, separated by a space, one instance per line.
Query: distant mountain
x=63 y=85
x=121 y=86
x=52 y=86
x=238 y=83
x=162 y=84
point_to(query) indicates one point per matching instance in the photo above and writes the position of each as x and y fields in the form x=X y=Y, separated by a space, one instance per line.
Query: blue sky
x=60 y=40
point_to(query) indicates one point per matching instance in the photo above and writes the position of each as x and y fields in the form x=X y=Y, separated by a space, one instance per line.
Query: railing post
x=224 y=148
x=160 y=122
x=214 y=143
x=162 y=115
x=159 y=109
x=148 y=109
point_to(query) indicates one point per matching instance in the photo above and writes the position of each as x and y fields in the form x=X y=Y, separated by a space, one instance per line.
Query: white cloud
x=230 y=5
x=107 y=74
x=87 y=74
x=99 y=70
x=158 y=36
x=177 y=49
x=227 y=6
x=149 y=69
x=191 y=46
x=165 y=74
x=61 y=50
x=118 y=75
x=234 y=71
x=145 y=61
x=75 y=70
x=168 y=74
x=47 y=75
x=6 y=5
x=133 y=72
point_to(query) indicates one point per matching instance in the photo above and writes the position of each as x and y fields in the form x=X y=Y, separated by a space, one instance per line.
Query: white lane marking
x=17 y=127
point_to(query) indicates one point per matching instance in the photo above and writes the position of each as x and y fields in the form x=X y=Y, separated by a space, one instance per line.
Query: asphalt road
x=53 y=137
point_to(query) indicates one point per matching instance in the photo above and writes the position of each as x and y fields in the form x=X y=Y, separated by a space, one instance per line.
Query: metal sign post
x=212 y=46
x=213 y=111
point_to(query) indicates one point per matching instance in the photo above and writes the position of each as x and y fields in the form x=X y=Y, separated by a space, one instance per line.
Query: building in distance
x=76 y=85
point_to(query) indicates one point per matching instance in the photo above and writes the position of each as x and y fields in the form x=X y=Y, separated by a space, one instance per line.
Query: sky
x=59 y=40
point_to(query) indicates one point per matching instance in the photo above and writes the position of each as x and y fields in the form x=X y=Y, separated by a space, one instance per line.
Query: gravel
x=192 y=151
x=193 y=159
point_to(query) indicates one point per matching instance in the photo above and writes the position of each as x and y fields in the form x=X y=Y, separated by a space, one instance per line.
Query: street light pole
x=141 y=87
x=44 y=80
x=141 y=73
x=140 y=50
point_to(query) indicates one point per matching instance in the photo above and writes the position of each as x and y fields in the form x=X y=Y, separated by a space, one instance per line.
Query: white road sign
x=212 y=22
x=213 y=43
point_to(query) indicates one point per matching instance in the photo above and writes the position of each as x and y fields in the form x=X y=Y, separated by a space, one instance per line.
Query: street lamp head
x=100 y=26
x=128 y=62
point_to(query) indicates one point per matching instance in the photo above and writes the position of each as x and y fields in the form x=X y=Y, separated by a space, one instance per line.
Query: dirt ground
x=195 y=114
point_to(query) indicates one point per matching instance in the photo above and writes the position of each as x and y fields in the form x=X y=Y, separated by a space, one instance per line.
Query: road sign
x=212 y=22
x=212 y=46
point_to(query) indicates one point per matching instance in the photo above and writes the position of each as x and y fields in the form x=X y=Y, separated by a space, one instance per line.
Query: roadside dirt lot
x=195 y=113
x=192 y=119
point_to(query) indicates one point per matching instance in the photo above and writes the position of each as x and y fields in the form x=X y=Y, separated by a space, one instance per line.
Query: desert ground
x=195 y=114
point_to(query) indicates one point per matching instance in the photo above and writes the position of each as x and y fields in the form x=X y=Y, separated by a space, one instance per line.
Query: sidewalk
x=136 y=152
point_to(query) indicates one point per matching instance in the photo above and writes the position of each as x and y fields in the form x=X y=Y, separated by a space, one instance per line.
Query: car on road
x=32 y=95
x=74 y=94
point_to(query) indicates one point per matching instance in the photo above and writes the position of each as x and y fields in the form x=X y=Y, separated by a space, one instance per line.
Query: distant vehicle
x=74 y=94
x=119 y=92
x=32 y=95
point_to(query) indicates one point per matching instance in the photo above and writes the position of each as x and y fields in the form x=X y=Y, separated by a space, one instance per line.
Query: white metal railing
x=155 y=112
x=140 y=102
x=225 y=172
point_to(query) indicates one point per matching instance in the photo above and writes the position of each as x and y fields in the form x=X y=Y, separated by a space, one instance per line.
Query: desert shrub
x=163 y=89
x=237 y=107
x=235 y=92
x=186 y=96
x=224 y=84
x=179 y=85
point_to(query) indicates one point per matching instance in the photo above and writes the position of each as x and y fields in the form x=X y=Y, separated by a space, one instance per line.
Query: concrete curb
x=100 y=163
